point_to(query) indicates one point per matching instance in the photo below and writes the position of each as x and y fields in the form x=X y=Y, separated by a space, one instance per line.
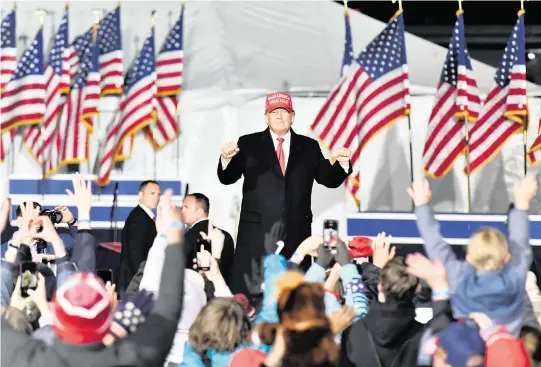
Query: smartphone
x=203 y=262
x=29 y=276
x=330 y=232
x=106 y=275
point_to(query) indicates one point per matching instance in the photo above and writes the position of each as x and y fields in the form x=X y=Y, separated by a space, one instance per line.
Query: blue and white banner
x=455 y=228
x=52 y=192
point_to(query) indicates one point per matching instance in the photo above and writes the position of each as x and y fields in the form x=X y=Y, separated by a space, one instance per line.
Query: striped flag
x=8 y=63
x=136 y=110
x=72 y=56
x=110 y=53
x=370 y=97
x=457 y=102
x=505 y=108
x=534 y=153
x=71 y=140
x=169 y=70
x=23 y=98
x=8 y=49
x=38 y=138
x=348 y=46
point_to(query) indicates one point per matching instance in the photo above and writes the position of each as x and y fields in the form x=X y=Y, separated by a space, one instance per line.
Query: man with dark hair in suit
x=279 y=169
x=139 y=233
x=195 y=214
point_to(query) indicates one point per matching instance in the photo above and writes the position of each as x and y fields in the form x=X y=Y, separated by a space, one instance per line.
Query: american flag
x=38 y=138
x=136 y=110
x=110 y=53
x=71 y=140
x=534 y=154
x=505 y=107
x=169 y=69
x=23 y=99
x=370 y=97
x=457 y=102
x=8 y=61
x=348 y=46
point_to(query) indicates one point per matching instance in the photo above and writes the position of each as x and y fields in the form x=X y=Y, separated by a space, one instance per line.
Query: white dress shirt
x=286 y=146
x=148 y=211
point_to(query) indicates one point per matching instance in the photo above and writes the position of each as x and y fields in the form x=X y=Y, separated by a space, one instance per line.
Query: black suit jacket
x=137 y=237
x=190 y=242
x=270 y=197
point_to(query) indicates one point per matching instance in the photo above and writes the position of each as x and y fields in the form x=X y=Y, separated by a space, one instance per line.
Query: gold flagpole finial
x=153 y=19
x=41 y=16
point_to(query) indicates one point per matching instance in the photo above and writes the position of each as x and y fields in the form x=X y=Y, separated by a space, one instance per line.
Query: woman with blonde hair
x=221 y=328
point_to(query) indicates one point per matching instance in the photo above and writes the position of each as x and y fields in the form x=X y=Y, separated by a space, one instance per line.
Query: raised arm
x=332 y=175
x=519 y=226
x=230 y=164
x=429 y=228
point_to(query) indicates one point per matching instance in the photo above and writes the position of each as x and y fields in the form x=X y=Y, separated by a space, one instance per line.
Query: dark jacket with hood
x=389 y=336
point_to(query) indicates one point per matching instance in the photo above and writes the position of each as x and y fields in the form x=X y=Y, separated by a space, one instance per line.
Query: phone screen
x=330 y=232
x=203 y=262
x=105 y=274
x=29 y=276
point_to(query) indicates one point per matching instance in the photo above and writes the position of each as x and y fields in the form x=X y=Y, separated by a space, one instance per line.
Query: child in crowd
x=492 y=279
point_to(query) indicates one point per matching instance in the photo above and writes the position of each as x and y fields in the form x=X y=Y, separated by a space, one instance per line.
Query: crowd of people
x=357 y=304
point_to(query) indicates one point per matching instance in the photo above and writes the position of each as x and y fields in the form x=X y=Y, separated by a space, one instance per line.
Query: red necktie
x=281 y=155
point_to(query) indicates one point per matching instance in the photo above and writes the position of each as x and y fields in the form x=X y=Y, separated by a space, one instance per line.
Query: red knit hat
x=360 y=247
x=503 y=350
x=243 y=300
x=81 y=310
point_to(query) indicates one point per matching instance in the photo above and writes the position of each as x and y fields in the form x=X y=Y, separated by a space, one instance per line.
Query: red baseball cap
x=360 y=247
x=81 y=310
x=278 y=100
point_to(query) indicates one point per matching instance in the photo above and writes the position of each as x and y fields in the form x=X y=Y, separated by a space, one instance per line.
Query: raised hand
x=229 y=150
x=383 y=251
x=216 y=238
x=81 y=196
x=420 y=192
x=168 y=218
x=432 y=272
x=524 y=192
x=343 y=155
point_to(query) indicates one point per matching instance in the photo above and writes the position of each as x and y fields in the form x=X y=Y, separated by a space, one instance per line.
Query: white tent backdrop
x=235 y=53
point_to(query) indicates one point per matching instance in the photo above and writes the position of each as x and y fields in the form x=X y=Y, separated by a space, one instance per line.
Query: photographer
x=59 y=215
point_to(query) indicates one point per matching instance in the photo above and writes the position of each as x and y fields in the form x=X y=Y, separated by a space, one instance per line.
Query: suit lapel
x=270 y=153
x=294 y=152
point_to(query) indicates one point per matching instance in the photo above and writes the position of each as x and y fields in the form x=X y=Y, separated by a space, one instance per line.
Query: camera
x=54 y=215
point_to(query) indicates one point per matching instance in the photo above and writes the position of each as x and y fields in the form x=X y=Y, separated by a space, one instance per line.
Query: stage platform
x=456 y=228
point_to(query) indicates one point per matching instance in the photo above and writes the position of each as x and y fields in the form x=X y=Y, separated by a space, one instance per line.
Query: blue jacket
x=192 y=359
x=500 y=294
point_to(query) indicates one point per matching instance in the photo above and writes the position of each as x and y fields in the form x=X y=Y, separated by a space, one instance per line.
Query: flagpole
x=410 y=133
x=153 y=125
x=467 y=152
x=524 y=126
x=41 y=15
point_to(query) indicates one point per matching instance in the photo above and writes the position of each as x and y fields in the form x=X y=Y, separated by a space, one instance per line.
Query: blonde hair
x=488 y=249
x=221 y=325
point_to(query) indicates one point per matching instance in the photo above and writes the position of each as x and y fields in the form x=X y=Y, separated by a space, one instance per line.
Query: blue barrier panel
x=455 y=228
x=58 y=187
x=52 y=192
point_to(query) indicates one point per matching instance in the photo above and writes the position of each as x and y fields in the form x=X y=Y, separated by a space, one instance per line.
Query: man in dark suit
x=139 y=233
x=279 y=169
x=195 y=214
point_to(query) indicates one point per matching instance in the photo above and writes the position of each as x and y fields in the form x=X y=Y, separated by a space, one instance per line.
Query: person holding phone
x=279 y=168
x=195 y=214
